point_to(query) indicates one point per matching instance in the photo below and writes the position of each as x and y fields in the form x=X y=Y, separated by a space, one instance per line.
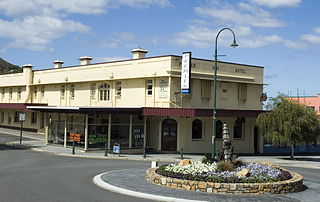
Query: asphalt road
x=32 y=176
x=26 y=175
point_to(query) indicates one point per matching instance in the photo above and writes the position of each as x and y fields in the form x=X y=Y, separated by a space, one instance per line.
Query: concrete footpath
x=117 y=181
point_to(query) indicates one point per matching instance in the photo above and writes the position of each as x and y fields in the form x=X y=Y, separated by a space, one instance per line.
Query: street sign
x=22 y=116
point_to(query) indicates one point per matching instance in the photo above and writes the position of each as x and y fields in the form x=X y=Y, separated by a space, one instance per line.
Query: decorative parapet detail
x=294 y=184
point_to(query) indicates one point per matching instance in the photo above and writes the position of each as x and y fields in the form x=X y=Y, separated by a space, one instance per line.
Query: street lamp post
x=214 y=118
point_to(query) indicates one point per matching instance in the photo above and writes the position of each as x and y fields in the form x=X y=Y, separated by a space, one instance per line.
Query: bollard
x=73 y=147
x=105 y=149
x=144 y=153
x=181 y=153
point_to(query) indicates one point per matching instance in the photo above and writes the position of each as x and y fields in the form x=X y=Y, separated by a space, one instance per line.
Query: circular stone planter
x=294 y=184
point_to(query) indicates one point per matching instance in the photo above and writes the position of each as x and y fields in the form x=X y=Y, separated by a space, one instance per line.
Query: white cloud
x=140 y=3
x=34 y=24
x=311 y=38
x=240 y=14
x=108 y=59
x=119 y=39
x=317 y=30
x=277 y=3
x=36 y=32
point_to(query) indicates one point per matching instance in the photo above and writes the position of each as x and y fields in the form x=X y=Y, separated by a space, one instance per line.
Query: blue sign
x=185 y=91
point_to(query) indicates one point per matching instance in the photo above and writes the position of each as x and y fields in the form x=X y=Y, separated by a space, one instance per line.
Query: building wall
x=311 y=101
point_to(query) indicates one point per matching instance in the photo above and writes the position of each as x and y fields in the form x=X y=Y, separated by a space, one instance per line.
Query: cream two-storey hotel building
x=136 y=103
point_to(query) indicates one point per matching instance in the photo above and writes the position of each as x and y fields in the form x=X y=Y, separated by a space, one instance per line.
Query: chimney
x=85 y=60
x=138 y=53
x=57 y=63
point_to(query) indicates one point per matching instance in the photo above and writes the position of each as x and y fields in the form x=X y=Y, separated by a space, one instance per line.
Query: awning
x=20 y=106
x=149 y=111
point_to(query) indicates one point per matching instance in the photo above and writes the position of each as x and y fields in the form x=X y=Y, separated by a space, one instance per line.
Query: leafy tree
x=289 y=123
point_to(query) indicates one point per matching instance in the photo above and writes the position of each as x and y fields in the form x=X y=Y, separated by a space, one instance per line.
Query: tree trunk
x=292 y=152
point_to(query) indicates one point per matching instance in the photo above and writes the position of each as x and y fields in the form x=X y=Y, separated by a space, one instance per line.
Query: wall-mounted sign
x=186 y=73
x=163 y=88
x=22 y=116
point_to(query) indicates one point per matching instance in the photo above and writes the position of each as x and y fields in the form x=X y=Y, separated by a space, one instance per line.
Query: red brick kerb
x=291 y=185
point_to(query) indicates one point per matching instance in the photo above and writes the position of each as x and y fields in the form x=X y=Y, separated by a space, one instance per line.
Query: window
x=242 y=91
x=118 y=88
x=149 y=87
x=16 y=116
x=313 y=108
x=3 y=92
x=35 y=92
x=42 y=120
x=238 y=128
x=19 y=93
x=197 y=129
x=43 y=88
x=219 y=129
x=104 y=91
x=10 y=93
x=2 y=117
x=72 y=91
x=62 y=91
x=93 y=91
x=34 y=118
x=205 y=88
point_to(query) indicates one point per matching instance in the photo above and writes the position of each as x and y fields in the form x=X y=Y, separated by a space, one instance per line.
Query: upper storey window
x=149 y=87
x=104 y=92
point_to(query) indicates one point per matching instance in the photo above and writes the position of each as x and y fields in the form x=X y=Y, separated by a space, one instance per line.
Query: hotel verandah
x=135 y=102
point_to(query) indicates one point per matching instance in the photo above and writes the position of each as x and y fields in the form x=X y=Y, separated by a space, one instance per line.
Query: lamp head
x=234 y=44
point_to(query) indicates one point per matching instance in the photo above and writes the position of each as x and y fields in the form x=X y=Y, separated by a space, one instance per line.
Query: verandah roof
x=150 y=111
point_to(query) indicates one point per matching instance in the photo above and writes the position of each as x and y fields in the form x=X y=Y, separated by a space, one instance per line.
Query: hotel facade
x=136 y=103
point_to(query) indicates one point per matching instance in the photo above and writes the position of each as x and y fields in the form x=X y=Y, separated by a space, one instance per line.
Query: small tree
x=288 y=123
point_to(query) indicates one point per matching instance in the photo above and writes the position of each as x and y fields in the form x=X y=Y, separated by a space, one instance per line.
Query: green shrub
x=225 y=166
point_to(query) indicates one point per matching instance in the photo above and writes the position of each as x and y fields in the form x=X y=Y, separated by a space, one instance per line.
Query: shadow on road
x=13 y=147
x=303 y=159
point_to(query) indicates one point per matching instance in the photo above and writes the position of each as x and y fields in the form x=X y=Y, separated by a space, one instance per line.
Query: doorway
x=169 y=135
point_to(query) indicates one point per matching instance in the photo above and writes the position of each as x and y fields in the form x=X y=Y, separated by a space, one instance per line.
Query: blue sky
x=281 y=35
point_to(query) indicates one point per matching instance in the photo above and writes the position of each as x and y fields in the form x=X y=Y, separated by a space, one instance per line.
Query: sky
x=283 y=36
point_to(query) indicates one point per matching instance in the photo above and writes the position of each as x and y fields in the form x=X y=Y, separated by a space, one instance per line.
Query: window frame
x=10 y=93
x=72 y=91
x=35 y=92
x=149 y=87
x=104 y=92
x=93 y=89
x=43 y=88
x=62 y=91
x=201 y=130
x=118 y=88
x=239 y=122
x=34 y=117
x=19 y=93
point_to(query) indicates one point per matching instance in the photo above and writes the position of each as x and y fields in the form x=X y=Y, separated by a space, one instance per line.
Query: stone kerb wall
x=294 y=184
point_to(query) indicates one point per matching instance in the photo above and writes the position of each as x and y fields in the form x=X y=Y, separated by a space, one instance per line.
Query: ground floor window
x=219 y=129
x=34 y=118
x=238 y=128
x=197 y=128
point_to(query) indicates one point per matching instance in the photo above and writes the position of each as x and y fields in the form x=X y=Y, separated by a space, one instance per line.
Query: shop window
x=205 y=89
x=238 y=128
x=62 y=91
x=149 y=87
x=104 y=91
x=34 y=118
x=118 y=88
x=19 y=94
x=72 y=91
x=93 y=91
x=42 y=120
x=35 y=92
x=43 y=88
x=197 y=128
x=219 y=129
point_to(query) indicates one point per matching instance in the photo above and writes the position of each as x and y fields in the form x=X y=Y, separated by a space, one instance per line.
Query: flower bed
x=197 y=176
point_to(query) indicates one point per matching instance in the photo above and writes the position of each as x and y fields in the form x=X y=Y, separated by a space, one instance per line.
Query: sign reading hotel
x=185 y=73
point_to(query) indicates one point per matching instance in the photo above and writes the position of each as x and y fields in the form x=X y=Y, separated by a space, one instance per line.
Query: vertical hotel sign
x=185 y=73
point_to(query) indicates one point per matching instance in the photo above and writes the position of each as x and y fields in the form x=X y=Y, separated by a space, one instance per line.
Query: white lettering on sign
x=185 y=73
